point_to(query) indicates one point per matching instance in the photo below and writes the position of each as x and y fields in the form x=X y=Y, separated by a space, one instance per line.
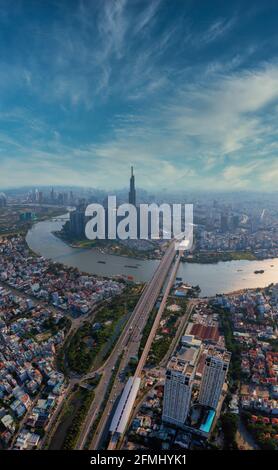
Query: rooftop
x=185 y=360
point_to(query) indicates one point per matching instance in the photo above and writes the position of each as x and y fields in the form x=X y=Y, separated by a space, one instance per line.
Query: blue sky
x=185 y=90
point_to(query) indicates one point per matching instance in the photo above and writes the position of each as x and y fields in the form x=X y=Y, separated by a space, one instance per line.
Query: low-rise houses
x=261 y=240
x=64 y=287
x=30 y=385
x=254 y=317
x=31 y=332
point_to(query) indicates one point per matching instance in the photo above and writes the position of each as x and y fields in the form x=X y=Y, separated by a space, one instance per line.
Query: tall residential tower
x=132 y=192
x=178 y=386
x=214 y=375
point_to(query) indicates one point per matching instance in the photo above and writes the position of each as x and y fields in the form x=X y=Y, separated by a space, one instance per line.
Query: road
x=156 y=322
x=128 y=345
x=244 y=439
x=54 y=420
x=147 y=347
x=181 y=330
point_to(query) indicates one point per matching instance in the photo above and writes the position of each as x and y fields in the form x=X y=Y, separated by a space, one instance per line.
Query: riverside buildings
x=78 y=218
x=70 y=291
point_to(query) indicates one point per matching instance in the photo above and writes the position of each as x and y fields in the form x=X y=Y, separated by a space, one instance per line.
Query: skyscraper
x=78 y=221
x=214 y=375
x=178 y=386
x=224 y=222
x=132 y=192
x=52 y=196
x=3 y=200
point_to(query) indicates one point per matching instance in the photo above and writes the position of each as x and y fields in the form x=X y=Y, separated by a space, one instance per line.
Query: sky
x=186 y=91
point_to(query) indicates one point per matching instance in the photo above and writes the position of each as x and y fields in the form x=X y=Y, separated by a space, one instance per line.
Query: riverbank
x=217 y=257
x=14 y=221
x=148 y=251
x=220 y=278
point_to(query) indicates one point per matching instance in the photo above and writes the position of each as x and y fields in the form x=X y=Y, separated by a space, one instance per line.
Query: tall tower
x=132 y=192
x=52 y=195
x=179 y=379
x=177 y=397
x=214 y=375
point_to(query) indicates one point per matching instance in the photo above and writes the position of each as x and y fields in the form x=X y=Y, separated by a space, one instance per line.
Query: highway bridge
x=124 y=409
x=127 y=346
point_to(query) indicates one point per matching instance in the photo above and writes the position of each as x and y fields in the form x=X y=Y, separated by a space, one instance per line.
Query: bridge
x=125 y=406
x=127 y=346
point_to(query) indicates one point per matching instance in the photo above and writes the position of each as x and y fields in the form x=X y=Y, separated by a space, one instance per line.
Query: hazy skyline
x=186 y=91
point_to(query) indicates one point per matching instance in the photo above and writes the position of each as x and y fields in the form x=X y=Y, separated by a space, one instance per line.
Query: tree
x=229 y=426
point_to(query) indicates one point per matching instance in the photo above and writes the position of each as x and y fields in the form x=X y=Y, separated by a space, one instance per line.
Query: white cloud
x=218 y=28
x=199 y=125
x=227 y=112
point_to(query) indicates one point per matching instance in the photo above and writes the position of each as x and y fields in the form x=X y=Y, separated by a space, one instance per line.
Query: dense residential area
x=250 y=321
x=31 y=387
x=209 y=380
x=39 y=303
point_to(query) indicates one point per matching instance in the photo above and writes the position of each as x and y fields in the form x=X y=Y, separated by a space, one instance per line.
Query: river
x=213 y=279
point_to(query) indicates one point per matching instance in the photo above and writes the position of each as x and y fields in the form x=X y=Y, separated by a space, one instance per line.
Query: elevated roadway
x=126 y=347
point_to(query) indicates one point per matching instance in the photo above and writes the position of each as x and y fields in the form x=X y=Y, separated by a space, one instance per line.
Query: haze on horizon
x=186 y=91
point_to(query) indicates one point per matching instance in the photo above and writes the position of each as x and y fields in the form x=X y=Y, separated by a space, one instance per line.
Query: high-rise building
x=235 y=221
x=77 y=222
x=71 y=198
x=3 y=200
x=61 y=199
x=178 y=386
x=214 y=375
x=52 y=196
x=132 y=192
x=224 y=222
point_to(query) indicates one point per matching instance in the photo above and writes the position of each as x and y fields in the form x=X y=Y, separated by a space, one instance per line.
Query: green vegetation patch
x=265 y=434
x=229 y=423
x=215 y=257
x=235 y=372
x=86 y=346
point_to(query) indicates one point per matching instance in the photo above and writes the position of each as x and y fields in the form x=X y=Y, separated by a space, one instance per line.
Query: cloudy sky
x=185 y=90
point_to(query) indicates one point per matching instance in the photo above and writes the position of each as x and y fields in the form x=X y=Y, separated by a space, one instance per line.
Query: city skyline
x=186 y=92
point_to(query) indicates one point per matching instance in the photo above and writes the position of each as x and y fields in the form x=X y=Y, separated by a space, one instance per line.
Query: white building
x=178 y=386
x=125 y=405
x=214 y=375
